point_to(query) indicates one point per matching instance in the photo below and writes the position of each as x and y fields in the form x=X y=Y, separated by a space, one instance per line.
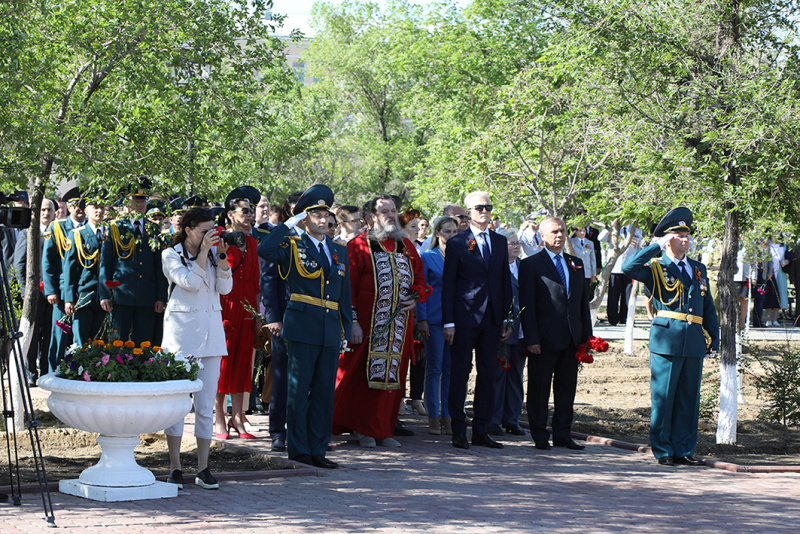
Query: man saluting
x=684 y=330
x=318 y=318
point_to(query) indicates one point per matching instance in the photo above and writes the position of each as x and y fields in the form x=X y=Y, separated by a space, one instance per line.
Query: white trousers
x=203 y=401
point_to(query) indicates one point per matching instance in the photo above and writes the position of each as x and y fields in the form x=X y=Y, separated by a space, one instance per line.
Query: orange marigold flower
x=145 y=344
x=117 y=343
x=157 y=348
x=98 y=343
x=137 y=352
x=130 y=344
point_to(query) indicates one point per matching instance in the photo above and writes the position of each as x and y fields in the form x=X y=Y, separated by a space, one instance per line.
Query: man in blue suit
x=318 y=319
x=684 y=330
x=274 y=296
x=82 y=272
x=56 y=244
x=131 y=255
x=555 y=321
x=476 y=299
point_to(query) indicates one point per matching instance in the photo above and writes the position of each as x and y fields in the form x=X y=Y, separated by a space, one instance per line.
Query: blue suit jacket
x=303 y=322
x=551 y=318
x=433 y=267
x=673 y=337
x=78 y=280
x=143 y=281
x=469 y=290
x=274 y=288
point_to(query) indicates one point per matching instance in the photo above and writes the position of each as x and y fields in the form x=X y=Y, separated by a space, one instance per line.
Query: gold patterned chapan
x=393 y=279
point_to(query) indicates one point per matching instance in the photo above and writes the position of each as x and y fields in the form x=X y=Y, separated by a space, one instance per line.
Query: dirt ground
x=612 y=400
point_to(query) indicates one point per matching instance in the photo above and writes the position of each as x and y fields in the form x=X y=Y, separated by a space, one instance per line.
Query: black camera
x=233 y=239
x=13 y=216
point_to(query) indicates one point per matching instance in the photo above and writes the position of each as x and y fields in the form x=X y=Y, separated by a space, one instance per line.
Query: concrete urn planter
x=119 y=412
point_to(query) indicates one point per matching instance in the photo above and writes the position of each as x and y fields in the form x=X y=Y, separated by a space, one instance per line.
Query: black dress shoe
x=304 y=459
x=689 y=460
x=460 y=442
x=495 y=430
x=319 y=460
x=542 y=445
x=400 y=430
x=516 y=430
x=568 y=443
x=486 y=441
x=279 y=444
x=666 y=460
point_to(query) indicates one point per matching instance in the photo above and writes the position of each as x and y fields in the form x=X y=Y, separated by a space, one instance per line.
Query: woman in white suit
x=198 y=274
x=584 y=249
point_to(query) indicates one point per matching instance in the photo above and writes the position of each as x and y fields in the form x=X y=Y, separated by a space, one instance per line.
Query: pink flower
x=104 y=359
x=86 y=376
x=129 y=357
x=120 y=360
x=108 y=377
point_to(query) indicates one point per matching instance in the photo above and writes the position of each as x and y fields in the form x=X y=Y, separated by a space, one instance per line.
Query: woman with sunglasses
x=236 y=373
x=193 y=326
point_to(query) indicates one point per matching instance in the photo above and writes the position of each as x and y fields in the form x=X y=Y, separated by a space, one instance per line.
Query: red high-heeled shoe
x=243 y=435
x=221 y=435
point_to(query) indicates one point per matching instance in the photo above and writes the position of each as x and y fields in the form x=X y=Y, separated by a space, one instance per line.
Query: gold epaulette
x=263 y=231
x=123 y=250
x=63 y=244
x=659 y=282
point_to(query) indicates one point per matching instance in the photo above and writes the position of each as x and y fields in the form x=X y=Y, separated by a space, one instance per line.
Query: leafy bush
x=780 y=386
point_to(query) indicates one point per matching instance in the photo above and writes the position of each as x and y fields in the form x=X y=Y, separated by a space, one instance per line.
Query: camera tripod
x=12 y=360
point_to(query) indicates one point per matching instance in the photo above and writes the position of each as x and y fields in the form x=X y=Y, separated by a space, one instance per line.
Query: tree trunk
x=729 y=323
x=630 y=320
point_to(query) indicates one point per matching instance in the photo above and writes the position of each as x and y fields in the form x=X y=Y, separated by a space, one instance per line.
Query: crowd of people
x=350 y=304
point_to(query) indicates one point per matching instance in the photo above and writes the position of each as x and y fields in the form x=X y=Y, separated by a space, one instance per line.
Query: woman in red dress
x=236 y=371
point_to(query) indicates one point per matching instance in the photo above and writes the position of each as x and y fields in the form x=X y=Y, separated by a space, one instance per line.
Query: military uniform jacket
x=82 y=267
x=138 y=268
x=305 y=322
x=675 y=337
x=56 y=244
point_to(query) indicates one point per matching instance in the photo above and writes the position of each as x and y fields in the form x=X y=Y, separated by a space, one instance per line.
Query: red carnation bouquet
x=596 y=344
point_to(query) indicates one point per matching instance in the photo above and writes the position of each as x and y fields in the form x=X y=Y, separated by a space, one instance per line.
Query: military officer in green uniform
x=82 y=271
x=131 y=255
x=56 y=245
x=684 y=330
x=317 y=321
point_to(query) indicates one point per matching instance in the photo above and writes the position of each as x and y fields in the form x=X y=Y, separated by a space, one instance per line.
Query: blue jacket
x=513 y=338
x=139 y=270
x=305 y=322
x=274 y=288
x=673 y=337
x=81 y=276
x=468 y=290
x=56 y=243
x=433 y=267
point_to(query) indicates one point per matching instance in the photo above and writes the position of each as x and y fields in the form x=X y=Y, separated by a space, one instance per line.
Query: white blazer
x=193 y=317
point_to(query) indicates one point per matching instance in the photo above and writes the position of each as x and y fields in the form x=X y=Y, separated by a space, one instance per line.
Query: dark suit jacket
x=274 y=289
x=549 y=318
x=8 y=240
x=591 y=235
x=468 y=289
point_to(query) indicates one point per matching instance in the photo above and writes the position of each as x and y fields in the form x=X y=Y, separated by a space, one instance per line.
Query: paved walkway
x=428 y=486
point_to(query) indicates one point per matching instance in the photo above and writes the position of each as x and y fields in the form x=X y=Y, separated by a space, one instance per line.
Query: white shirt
x=514 y=268
x=317 y=243
x=563 y=265
x=686 y=268
x=479 y=238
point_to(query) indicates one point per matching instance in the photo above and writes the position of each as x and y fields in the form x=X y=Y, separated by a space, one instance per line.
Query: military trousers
x=675 y=399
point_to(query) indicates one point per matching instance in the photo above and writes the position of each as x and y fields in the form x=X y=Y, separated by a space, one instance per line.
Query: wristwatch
x=222 y=255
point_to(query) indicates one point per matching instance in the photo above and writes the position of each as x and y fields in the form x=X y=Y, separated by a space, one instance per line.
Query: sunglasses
x=482 y=207
x=462 y=217
x=245 y=211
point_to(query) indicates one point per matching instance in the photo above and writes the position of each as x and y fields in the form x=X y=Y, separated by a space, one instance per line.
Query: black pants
x=619 y=291
x=485 y=340
x=280 y=377
x=560 y=368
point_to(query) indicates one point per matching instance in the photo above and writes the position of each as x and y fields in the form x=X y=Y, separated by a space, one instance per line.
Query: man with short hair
x=683 y=332
x=349 y=219
x=476 y=300
x=555 y=320
x=384 y=265
x=317 y=321
x=262 y=211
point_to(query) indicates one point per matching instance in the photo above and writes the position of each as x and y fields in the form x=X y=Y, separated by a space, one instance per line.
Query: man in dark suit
x=274 y=296
x=476 y=299
x=555 y=320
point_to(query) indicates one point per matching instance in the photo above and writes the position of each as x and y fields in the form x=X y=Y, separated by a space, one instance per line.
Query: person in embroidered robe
x=384 y=265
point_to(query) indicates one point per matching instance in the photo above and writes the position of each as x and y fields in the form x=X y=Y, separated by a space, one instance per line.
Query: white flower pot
x=119 y=412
